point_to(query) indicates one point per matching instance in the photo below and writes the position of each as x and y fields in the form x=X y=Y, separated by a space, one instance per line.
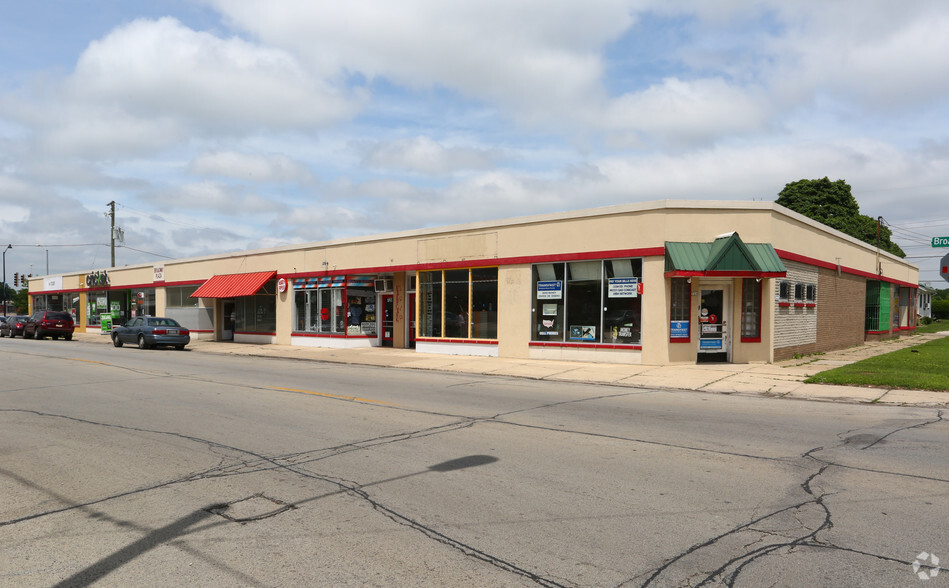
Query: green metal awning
x=727 y=255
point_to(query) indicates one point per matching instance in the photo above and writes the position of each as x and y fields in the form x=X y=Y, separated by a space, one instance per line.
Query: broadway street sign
x=940 y=241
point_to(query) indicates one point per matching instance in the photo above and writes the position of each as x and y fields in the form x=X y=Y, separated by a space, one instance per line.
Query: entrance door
x=412 y=320
x=714 y=341
x=388 y=325
x=227 y=332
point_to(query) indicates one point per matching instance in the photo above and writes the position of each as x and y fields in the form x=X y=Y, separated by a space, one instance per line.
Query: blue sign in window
x=679 y=329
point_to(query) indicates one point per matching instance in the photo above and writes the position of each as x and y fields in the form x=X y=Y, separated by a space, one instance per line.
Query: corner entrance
x=714 y=337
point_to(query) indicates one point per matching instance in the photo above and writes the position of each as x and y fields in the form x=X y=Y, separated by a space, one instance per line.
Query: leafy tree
x=21 y=300
x=833 y=204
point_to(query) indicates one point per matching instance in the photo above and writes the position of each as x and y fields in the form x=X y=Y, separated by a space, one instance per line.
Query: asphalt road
x=121 y=467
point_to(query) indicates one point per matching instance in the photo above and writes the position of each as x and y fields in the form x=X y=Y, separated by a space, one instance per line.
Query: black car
x=13 y=326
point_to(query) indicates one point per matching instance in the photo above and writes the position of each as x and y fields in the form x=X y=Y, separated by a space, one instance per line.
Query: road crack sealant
x=680 y=570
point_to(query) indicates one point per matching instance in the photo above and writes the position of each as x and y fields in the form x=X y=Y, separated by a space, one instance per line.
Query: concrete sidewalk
x=781 y=380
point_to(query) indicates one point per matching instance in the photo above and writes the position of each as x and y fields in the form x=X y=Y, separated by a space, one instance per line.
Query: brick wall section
x=838 y=318
x=841 y=302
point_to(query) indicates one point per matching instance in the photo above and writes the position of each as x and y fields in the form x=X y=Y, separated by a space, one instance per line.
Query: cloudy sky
x=220 y=125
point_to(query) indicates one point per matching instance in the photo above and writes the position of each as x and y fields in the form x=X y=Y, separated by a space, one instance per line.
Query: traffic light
x=16 y=279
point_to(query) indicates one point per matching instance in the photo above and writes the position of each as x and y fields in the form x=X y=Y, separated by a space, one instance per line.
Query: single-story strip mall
x=655 y=283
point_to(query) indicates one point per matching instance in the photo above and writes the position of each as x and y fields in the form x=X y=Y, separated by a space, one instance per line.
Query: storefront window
x=750 y=309
x=143 y=302
x=588 y=301
x=257 y=313
x=458 y=303
x=360 y=312
x=680 y=310
x=180 y=297
x=97 y=304
x=430 y=301
x=549 y=304
x=621 y=307
x=484 y=303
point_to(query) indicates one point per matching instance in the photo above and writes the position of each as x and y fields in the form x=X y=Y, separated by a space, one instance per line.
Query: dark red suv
x=50 y=323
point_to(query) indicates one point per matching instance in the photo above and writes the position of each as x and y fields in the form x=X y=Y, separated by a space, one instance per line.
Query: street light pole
x=5 y=279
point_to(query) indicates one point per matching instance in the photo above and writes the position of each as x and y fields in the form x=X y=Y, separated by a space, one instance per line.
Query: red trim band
x=848 y=270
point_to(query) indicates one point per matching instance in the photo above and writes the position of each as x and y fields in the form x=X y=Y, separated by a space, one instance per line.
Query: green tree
x=21 y=300
x=833 y=204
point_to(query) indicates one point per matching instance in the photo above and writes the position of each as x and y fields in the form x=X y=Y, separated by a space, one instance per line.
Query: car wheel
x=115 y=340
x=141 y=342
x=180 y=347
x=38 y=335
x=26 y=335
x=67 y=337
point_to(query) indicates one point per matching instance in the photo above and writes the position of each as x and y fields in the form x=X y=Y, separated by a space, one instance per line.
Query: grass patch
x=923 y=367
x=933 y=327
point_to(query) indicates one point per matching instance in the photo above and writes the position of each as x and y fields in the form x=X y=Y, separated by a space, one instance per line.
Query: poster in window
x=550 y=309
x=547 y=327
x=679 y=329
x=582 y=333
x=550 y=290
x=623 y=288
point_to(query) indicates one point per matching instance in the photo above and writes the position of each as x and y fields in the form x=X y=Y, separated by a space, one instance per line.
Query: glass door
x=713 y=323
x=388 y=325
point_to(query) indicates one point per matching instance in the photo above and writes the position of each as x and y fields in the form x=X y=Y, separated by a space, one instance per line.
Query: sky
x=226 y=125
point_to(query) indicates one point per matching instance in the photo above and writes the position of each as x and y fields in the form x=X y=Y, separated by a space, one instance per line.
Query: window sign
x=550 y=290
x=623 y=288
x=710 y=344
x=550 y=309
x=679 y=329
x=583 y=333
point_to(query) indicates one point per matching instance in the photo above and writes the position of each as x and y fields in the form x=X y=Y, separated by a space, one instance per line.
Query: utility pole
x=111 y=215
x=879 y=267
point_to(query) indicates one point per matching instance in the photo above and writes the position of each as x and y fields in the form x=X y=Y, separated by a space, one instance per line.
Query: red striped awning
x=233 y=285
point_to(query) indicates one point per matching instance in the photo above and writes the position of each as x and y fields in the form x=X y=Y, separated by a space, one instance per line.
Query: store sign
x=159 y=273
x=97 y=279
x=550 y=290
x=623 y=288
x=710 y=344
x=282 y=285
x=679 y=329
x=53 y=283
x=940 y=241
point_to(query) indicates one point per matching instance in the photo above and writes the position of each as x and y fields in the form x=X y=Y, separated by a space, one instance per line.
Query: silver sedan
x=151 y=331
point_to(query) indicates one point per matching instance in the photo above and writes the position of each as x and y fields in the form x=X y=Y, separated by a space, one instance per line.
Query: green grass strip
x=923 y=367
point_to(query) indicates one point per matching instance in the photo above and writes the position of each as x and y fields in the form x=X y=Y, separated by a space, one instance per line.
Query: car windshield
x=162 y=322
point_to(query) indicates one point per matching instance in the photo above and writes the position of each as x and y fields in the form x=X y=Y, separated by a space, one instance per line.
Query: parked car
x=13 y=326
x=151 y=331
x=49 y=323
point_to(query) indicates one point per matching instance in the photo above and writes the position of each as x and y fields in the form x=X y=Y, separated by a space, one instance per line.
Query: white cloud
x=533 y=57
x=250 y=167
x=218 y=198
x=161 y=68
x=688 y=111
x=422 y=155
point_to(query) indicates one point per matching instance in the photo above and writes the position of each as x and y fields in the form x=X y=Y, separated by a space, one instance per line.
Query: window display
x=588 y=302
x=458 y=303
x=342 y=305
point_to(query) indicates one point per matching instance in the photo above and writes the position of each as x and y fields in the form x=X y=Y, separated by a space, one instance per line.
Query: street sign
x=940 y=241
x=944 y=268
